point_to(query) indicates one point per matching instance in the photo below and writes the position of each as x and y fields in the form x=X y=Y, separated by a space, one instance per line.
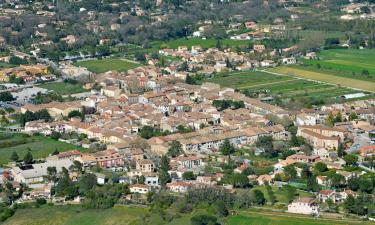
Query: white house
x=306 y=206
x=180 y=187
x=139 y=188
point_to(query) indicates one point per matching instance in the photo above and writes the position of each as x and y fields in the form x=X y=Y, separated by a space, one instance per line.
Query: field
x=271 y=218
x=204 y=43
x=104 y=65
x=63 y=88
x=5 y=65
x=350 y=68
x=262 y=84
x=281 y=194
x=71 y=215
x=40 y=147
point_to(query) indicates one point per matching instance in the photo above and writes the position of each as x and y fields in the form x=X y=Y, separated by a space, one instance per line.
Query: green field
x=346 y=67
x=40 y=147
x=271 y=218
x=104 y=65
x=283 y=87
x=6 y=65
x=281 y=193
x=204 y=43
x=72 y=215
x=63 y=88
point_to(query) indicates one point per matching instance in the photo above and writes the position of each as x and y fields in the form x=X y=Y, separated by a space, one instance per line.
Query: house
x=139 y=188
x=100 y=178
x=259 y=48
x=322 y=180
x=289 y=61
x=35 y=173
x=305 y=119
x=264 y=179
x=367 y=151
x=108 y=159
x=306 y=206
x=179 y=186
x=145 y=165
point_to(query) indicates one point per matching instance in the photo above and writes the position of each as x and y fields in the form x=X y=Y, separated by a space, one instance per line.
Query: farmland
x=269 y=218
x=351 y=68
x=40 y=146
x=204 y=43
x=104 y=65
x=287 y=88
x=63 y=88
x=71 y=214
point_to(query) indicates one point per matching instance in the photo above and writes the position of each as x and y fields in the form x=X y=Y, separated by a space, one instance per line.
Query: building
x=108 y=159
x=306 y=206
x=145 y=165
x=139 y=188
x=180 y=187
x=367 y=151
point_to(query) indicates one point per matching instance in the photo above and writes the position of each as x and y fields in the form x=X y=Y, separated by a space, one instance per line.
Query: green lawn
x=40 y=147
x=6 y=65
x=74 y=215
x=204 y=43
x=281 y=194
x=104 y=65
x=63 y=88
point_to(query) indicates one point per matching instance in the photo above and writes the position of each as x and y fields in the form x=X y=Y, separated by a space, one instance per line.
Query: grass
x=242 y=80
x=63 y=88
x=338 y=66
x=324 y=77
x=281 y=194
x=40 y=147
x=270 y=218
x=6 y=65
x=71 y=215
x=204 y=43
x=104 y=65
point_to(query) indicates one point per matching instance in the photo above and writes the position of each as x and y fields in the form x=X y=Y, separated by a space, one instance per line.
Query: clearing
x=104 y=65
x=63 y=88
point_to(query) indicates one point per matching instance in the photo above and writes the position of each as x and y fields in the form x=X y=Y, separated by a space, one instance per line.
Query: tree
x=28 y=158
x=6 y=96
x=226 y=148
x=290 y=172
x=320 y=167
x=189 y=80
x=221 y=208
x=259 y=198
x=188 y=175
x=51 y=174
x=337 y=180
x=350 y=159
x=175 y=148
x=86 y=182
x=14 y=157
x=164 y=176
x=266 y=143
x=141 y=179
x=330 y=120
x=76 y=167
x=290 y=192
x=56 y=152
x=74 y=113
x=353 y=116
x=203 y=220
x=271 y=194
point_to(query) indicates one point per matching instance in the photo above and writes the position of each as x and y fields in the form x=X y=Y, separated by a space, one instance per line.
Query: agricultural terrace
x=104 y=65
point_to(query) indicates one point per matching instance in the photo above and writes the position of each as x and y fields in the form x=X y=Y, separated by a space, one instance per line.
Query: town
x=256 y=124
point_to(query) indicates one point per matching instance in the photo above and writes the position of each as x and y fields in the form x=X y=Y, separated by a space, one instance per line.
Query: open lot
x=40 y=146
x=104 y=65
x=63 y=88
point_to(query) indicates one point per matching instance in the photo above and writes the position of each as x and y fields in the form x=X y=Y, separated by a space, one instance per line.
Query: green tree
x=226 y=148
x=28 y=158
x=86 y=183
x=14 y=157
x=221 y=208
x=353 y=116
x=203 y=220
x=74 y=113
x=164 y=176
x=350 y=159
x=6 y=96
x=188 y=175
x=259 y=198
x=320 y=167
x=175 y=149
x=271 y=194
